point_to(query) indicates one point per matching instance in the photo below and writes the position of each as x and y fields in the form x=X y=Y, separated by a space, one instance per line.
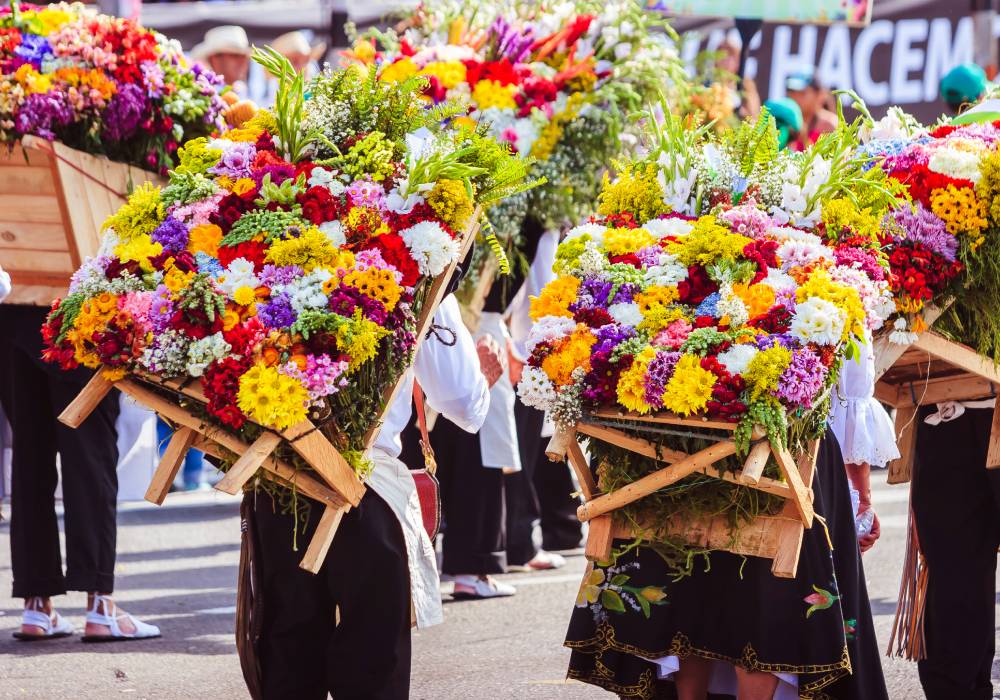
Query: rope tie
x=50 y=149
x=436 y=331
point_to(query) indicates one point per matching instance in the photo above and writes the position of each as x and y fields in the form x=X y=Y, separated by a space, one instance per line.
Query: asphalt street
x=177 y=568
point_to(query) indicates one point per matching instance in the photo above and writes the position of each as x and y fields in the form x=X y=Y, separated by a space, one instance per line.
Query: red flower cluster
x=919 y=272
x=725 y=403
x=252 y=251
x=221 y=383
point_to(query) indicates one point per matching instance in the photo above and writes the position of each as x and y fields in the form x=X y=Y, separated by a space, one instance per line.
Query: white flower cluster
x=431 y=247
x=240 y=273
x=799 y=189
x=549 y=328
x=819 y=321
x=536 y=389
x=204 y=351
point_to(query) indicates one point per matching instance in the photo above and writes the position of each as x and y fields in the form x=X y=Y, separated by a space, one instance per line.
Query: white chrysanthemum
x=732 y=306
x=737 y=358
x=334 y=232
x=667 y=273
x=238 y=274
x=626 y=314
x=800 y=254
x=790 y=233
x=957 y=163
x=431 y=247
x=204 y=351
x=779 y=281
x=549 y=328
x=306 y=292
x=536 y=389
x=819 y=321
x=596 y=232
x=321 y=177
x=673 y=226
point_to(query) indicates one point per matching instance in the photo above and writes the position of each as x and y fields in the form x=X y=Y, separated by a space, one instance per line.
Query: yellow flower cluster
x=366 y=221
x=765 y=369
x=843 y=297
x=708 y=242
x=31 y=80
x=572 y=352
x=139 y=249
x=174 y=278
x=91 y=80
x=271 y=398
x=94 y=315
x=988 y=187
x=310 y=250
x=635 y=190
x=654 y=303
x=632 y=383
x=450 y=201
x=555 y=298
x=690 y=387
x=450 y=73
x=48 y=20
x=841 y=213
x=237 y=187
x=552 y=132
x=961 y=210
x=621 y=241
x=378 y=284
x=399 y=71
x=359 y=339
x=141 y=214
x=490 y=93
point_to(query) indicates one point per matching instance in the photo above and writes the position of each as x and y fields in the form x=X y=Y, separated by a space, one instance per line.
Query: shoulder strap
x=425 y=439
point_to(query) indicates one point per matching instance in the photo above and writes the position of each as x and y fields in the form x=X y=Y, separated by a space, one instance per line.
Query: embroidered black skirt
x=817 y=626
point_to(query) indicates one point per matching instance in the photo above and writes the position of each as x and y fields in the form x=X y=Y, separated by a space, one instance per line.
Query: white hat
x=229 y=38
x=297 y=43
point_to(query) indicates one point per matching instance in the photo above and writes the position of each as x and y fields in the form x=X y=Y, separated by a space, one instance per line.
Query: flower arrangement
x=101 y=84
x=720 y=279
x=283 y=265
x=557 y=83
x=942 y=238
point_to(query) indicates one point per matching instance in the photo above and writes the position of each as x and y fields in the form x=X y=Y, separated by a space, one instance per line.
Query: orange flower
x=205 y=238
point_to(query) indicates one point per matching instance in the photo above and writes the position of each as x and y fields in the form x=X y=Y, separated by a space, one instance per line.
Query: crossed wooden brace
x=776 y=537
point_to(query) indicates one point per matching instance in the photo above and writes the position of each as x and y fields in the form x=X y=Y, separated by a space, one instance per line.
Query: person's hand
x=490 y=360
x=515 y=367
x=866 y=542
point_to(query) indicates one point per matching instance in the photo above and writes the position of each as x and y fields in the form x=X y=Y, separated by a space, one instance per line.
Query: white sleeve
x=4 y=284
x=539 y=275
x=862 y=426
x=450 y=375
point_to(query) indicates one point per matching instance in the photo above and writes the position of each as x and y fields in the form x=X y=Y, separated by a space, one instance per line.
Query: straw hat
x=228 y=38
x=297 y=43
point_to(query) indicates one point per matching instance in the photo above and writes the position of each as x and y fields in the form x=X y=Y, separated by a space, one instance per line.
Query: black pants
x=33 y=398
x=303 y=652
x=540 y=493
x=955 y=506
x=472 y=503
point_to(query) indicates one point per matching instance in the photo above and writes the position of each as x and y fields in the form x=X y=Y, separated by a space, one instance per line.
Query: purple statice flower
x=787 y=340
x=125 y=112
x=171 y=234
x=364 y=193
x=747 y=220
x=594 y=292
x=274 y=276
x=152 y=73
x=611 y=336
x=92 y=270
x=659 y=372
x=626 y=293
x=278 y=173
x=161 y=309
x=510 y=42
x=802 y=380
x=924 y=227
x=43 y=113
x=278 y=312
x=33 y=49
x=864 y=260
x=236 y=161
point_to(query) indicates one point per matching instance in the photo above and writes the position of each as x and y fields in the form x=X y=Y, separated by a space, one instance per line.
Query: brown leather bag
x=428 y=488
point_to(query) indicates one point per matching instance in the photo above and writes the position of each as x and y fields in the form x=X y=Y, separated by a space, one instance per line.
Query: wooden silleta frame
x=332 y=482
x=777 y=537
x=53 y=203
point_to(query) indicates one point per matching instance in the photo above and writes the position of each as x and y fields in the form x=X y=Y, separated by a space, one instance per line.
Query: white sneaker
x=470 y=586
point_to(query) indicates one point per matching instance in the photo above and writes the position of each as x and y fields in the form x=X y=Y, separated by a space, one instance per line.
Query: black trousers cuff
x=42 y=588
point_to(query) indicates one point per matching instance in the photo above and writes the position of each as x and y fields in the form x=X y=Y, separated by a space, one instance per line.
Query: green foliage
x=754 y=144
x=200 y=295
x=283 y=194
x=187 y=187
x=289 y=103
x=271 y=223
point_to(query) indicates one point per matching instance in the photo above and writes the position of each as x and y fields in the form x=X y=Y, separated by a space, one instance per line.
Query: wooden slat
x=559 y=444
x=50 y=261
x=753 y=468
x=788 y=549
x=321 y=540
x=170 y=464
x=630 y=442
x=600 y=537
x=17 y=177
x=249 y=462
x=958 y=355
x=906 y=438
x=963 y=387
x=18 y=235
x=35 y=294
x=86 y=401
x=578 y=461
x=30 y=208
x=655 y=481
x=670 y=418
x=322 y=456
x=993 y=454
x=801 y=498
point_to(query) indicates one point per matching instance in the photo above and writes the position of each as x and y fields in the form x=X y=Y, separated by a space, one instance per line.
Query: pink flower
x=674 y=335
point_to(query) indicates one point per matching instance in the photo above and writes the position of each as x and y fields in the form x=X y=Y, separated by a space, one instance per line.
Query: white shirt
x=453 y=385
x=4 y=284
x=539 y=274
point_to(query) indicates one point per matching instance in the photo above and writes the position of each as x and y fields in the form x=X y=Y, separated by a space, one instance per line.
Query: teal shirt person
x=787 y=118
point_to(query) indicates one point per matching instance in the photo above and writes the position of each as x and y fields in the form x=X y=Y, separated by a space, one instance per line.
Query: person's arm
x=860 y=477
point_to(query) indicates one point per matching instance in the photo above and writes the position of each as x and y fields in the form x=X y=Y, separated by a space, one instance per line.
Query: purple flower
x=625 y=293
x=278 y=312
x=273 y=276
x=594 y=293
x=864 y=260
x=236 y=161
x=33 y=49
x=278 y=173
x=171 y=234
x=43 y=113
x=786 y=340
x=922 y=226
x=659 y=372
x=161 y=309
x=509 y=42
x=125 y=112
x=152 y=73
x=747 y=220
x=802 y=380
x=611 y=336
x=649 y=256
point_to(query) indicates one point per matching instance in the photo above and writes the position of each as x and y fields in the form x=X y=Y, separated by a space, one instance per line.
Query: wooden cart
x=331 y=480
x=777 y=537
x=53 y=203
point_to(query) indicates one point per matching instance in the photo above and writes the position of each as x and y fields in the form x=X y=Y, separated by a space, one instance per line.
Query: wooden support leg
x=906 y=436
x=800 y=496
x=578 y=461
x=786 y=559
x=86 y=401
x=248 y=464
x=599 y=538
x=170 y=464
x=323 y=538
x=559 y=444
x=756 y=461
x=993 y=456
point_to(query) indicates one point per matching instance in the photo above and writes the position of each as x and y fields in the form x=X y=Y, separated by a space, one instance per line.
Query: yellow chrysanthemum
x=654 y=303
x=399 y=71
x=555 y=298
x=690 y=387
x=490 y=93
x=632 y=383
x=378 y=284
x=961 y=210
x=622 y=241
x=244 y=296
x=271 y=398
x=449 y=73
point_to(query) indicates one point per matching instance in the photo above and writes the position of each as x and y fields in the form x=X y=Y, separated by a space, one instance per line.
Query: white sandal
x=53 y=626
x=143 y=630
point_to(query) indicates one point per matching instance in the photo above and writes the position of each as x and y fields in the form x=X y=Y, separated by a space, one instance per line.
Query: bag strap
x=430 y=463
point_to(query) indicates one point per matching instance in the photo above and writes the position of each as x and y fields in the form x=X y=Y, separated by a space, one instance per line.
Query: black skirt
x=817 y=625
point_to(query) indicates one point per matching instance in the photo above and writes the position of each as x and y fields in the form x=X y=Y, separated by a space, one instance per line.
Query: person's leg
x=522 y=515
x=755 y=685
x=297 y=612
x=374 y=605
x=692 y=677
x=561 y=529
